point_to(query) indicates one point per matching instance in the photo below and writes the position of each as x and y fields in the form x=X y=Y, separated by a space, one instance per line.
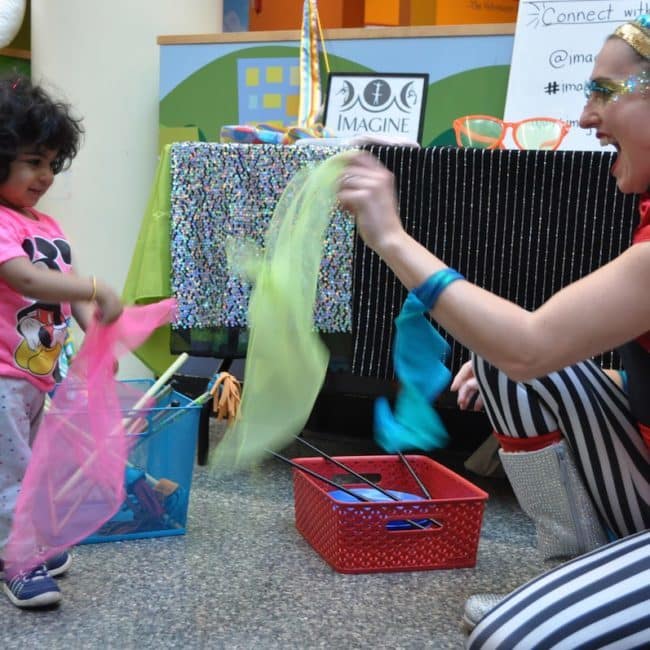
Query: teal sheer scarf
x=419 y=355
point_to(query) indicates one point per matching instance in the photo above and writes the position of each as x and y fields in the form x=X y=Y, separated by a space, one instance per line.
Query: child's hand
x=109 y=303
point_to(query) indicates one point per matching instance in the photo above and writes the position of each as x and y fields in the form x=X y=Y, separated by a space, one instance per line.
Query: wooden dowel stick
x=161 y=380
x=362 y=478
x=155 y=387
x=336 y=485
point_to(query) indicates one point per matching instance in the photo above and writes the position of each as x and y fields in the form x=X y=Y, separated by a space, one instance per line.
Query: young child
x=39 y=292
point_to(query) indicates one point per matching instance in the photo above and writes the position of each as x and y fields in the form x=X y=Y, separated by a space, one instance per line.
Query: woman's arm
x=595 y=314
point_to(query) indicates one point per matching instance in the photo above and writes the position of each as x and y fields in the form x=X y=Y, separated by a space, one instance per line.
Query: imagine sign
x=377 y=104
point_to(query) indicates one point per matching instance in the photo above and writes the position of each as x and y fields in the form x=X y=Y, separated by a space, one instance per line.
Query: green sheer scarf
x=286 y=360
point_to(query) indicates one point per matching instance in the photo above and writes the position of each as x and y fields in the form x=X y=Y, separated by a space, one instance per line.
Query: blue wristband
x=429 y=291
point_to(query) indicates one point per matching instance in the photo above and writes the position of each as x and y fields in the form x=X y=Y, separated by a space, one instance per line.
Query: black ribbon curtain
x=522 y=224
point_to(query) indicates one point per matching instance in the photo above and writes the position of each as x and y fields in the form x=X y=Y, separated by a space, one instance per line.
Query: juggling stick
x=361 y=477
x=138 y=425
x=152 y=480
x=164 y=421
x=320 y=477
x=160 y=382
x=349 y=470
x=163 y=486
x=426 y=492
x=138 y=405
x=164 y=418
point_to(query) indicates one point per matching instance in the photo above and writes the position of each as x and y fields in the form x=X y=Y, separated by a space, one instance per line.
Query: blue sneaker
x=58 y=564
x=32 y=588
x=55 y=565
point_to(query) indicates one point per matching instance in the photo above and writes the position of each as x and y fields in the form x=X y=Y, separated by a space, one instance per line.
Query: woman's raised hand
x=367 y=189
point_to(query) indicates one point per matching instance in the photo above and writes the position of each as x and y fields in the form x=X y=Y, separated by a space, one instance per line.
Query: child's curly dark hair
x=30 y=118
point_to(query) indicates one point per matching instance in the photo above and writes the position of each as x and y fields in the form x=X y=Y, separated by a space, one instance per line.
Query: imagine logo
x=388 y=105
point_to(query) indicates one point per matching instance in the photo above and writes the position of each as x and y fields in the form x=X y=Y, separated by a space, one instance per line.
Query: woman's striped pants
x=601 y=599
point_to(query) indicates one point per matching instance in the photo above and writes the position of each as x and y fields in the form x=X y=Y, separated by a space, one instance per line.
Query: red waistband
x=509 y=443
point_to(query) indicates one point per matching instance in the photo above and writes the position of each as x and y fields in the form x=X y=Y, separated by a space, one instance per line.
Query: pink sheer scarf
x=75 y=478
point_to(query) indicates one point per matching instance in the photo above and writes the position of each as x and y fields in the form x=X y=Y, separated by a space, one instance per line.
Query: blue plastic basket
x=158 y=475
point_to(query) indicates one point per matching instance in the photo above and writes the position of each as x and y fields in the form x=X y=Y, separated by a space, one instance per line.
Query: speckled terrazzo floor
x=243 y=577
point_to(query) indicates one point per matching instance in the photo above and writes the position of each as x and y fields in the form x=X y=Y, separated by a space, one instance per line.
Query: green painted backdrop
x=198 y=105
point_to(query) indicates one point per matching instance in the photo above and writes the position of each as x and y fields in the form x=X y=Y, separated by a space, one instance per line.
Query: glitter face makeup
x=608 y=90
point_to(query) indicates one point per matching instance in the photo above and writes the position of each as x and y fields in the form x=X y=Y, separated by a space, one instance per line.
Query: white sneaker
x=477 y=606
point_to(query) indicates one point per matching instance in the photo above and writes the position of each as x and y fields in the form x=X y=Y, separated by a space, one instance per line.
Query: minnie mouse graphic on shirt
x=42 y=326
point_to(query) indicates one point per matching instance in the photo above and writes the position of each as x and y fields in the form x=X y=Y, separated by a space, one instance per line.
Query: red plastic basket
x=355 y=537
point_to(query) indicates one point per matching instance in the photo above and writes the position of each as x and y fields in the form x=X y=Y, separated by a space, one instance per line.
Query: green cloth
x=148 y=279
x=286 y=360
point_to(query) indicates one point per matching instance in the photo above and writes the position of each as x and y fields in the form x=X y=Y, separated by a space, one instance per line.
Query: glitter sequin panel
x=230 y=191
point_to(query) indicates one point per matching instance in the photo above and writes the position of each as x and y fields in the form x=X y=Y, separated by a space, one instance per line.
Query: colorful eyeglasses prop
x=487 y=132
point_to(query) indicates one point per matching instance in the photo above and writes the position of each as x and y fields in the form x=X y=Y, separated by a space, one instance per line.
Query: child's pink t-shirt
x=32 y=332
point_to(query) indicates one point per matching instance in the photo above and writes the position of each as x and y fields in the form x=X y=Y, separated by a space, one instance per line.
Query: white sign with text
x=376 y=104
x=555 y=47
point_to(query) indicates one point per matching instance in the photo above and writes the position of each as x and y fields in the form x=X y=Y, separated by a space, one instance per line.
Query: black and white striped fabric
x=593 y=415
x=599 y=600
x=522 y=224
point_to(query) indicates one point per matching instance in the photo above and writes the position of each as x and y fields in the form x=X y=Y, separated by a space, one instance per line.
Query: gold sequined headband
x=636 y=35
